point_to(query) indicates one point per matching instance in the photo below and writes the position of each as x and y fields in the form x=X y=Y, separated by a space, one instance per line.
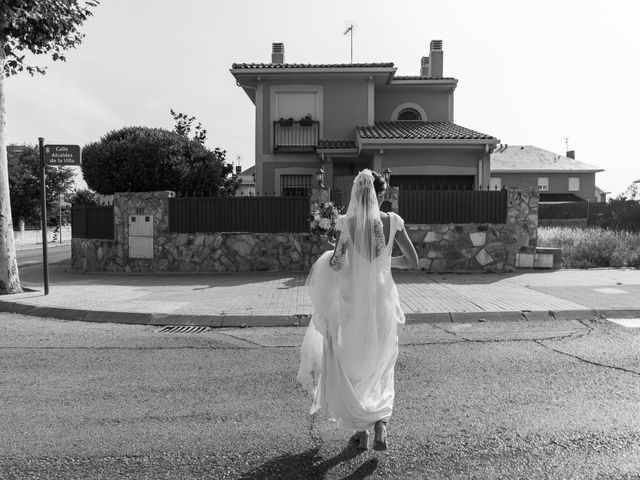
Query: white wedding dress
x=351 y=344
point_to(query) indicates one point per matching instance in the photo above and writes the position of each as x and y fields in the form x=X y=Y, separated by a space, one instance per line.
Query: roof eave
x=434 y=82
x=329 y=70
x=545 y=170
x=426 y=141
x=338 y=151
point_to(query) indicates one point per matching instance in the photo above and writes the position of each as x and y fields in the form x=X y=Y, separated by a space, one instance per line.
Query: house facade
x=247 y=186
x=346 y=117
x=559 y=178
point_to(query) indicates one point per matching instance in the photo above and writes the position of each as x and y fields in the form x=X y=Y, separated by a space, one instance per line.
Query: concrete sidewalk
x=268 y=299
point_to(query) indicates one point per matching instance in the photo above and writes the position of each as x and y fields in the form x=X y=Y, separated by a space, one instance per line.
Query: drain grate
x=182 y=329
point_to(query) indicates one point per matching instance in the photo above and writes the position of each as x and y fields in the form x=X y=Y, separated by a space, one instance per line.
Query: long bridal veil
x=350 y=346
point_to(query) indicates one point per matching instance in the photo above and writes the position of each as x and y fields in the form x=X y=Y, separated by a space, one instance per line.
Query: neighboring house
x=247 y=186
x=601 y=195
x=559 y=178
x=346 y=117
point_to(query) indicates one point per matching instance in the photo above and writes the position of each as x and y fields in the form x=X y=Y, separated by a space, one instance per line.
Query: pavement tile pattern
x=257 y=298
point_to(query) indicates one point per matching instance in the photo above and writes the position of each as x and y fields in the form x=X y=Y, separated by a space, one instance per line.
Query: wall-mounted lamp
x=320 y=177
x=386 y=173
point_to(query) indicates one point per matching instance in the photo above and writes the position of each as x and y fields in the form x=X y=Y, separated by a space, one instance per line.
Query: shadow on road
x=309 y=465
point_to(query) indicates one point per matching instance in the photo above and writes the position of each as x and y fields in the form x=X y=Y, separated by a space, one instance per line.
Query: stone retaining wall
x=213 y=252
x=441 y=248
x=488 y=247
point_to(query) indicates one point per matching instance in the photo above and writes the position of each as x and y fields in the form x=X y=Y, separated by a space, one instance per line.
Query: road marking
x=626 y=322
x=609 y=291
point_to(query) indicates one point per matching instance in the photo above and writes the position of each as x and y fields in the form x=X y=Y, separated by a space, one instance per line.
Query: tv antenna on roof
x=566 y=143
x=350 y=30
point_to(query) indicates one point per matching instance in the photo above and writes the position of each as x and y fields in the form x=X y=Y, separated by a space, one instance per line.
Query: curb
x=157 y=319
x=300 y=320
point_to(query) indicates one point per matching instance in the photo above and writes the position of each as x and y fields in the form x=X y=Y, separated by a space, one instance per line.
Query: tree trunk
x=9 y=279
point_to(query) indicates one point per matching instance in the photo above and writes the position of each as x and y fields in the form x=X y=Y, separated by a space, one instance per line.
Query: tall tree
x=39 y=27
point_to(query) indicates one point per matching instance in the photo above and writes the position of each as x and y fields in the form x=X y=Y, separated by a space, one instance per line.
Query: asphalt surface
x=549 y=399
x=33 y=255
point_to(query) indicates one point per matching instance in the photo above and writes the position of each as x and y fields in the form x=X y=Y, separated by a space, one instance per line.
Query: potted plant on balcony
x=285 y=122
x=306 y=121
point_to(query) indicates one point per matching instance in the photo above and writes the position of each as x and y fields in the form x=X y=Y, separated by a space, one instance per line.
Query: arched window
x=409 y=114
x=409 y=111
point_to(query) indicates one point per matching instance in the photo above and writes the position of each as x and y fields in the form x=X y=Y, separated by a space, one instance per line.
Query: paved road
x=554 y=399
x=33 y=256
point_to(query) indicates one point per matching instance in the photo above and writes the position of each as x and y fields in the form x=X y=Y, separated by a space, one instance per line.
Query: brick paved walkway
x=279 y=294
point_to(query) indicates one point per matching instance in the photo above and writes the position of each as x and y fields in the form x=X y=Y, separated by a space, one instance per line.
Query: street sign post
x=56 y=156
x=62 y=155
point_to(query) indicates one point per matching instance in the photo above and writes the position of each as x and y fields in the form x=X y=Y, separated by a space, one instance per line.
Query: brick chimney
x=238 y=169
x=435 y=59
x=571 y=154
x=277 y=53
x=424 y=67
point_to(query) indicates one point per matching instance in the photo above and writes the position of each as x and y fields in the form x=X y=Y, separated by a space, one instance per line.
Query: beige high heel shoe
x=360 y=440
x=380 y=439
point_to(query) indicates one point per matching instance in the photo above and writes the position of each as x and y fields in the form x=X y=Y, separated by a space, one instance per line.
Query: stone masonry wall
x=440 y=247
x=199 y=252
x=488 y=247
x=215 y=252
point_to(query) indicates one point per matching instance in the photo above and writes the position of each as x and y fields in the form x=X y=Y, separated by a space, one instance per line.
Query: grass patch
x=592 y=247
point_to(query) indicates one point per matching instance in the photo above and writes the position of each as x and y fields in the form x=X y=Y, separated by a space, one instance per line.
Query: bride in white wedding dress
x=350 y=347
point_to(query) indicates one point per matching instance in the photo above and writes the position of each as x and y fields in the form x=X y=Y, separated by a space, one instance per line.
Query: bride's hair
x=379 y=183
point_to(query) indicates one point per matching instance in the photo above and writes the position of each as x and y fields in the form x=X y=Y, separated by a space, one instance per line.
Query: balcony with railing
x=295 y=136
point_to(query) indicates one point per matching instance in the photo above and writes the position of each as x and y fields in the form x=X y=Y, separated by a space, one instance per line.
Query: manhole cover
x=182 y=329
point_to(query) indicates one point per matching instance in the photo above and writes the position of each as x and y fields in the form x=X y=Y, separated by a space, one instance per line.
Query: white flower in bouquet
x=325 y=223
x=317 y=217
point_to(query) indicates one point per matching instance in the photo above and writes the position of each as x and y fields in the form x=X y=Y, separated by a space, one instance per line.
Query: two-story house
x=346 y=117
x=559 y=178
x=247 y=178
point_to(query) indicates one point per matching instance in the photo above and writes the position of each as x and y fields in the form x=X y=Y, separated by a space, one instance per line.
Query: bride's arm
x=337 y=259
x=409 y=258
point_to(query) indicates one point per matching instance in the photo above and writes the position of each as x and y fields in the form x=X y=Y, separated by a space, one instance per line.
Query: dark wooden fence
x=613 y=215
x=453 y=206
x=92 y=222
x=563 y=211
x=239 y=214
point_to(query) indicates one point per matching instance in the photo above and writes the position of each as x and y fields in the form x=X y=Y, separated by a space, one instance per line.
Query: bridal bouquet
x=323 y=219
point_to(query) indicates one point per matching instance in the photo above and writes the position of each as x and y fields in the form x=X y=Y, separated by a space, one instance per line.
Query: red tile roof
x=413 y=130
x=276 y=66
x=328 y=144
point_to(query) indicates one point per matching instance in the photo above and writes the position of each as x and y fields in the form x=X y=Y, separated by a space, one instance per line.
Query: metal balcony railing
x=295 y=136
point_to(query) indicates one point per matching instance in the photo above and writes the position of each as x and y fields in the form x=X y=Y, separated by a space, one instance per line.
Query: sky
x=529 y=73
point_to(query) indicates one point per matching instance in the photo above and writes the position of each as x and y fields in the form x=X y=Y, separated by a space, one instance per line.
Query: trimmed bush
x=141 y=159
